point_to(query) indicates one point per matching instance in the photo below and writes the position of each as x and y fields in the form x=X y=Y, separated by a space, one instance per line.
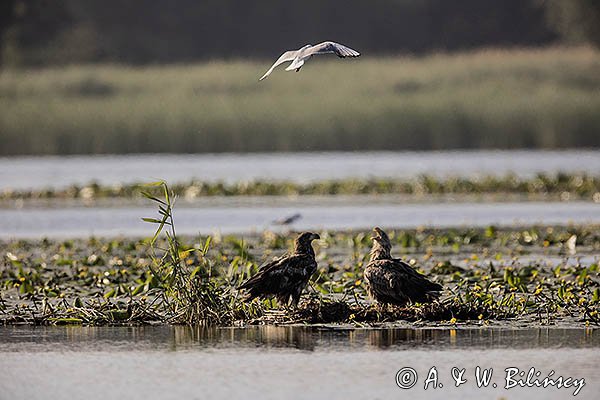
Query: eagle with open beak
x=391 y=280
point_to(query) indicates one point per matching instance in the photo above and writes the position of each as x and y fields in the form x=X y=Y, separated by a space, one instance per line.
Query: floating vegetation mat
x=539 y=275
x=559 y=186
x=316 y=311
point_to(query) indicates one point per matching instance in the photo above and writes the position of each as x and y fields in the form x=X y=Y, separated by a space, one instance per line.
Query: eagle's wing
x=299 y=270
x=281 y=275
x=332 y=47
x=411 y=283
x=273 y=268
x=397 y=282
x=295 y=269
x=287 y=56
x=382 y=283
x=302 y=266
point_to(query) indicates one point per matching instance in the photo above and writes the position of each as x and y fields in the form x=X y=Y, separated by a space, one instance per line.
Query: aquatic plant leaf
x=153 y=198
x=153 y=220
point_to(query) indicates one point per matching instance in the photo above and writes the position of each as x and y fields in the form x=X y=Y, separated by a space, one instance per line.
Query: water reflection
x=305 y=338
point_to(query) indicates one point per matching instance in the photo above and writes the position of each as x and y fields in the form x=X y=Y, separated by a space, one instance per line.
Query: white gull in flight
x=298 y=57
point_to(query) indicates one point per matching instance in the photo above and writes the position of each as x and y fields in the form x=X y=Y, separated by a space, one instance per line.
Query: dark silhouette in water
x=391 y=280
x=287 y=276
x=288 y=220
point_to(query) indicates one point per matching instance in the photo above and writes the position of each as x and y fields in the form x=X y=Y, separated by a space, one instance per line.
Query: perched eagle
x=391 y=280
x=286 y=276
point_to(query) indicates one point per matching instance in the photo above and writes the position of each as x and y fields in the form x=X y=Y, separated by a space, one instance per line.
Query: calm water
x=39 y=172
x=82 y=221
x=272 y=362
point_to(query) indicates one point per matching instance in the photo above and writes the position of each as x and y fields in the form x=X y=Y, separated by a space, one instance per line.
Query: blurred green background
x=88 y=76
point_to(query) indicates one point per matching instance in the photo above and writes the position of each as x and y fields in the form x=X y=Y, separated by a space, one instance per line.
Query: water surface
x=112 y=221
x=272 y=362
x=57 y=172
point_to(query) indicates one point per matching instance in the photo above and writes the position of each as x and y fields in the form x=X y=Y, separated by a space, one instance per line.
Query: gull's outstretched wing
x=287 y=56
x=332 y=47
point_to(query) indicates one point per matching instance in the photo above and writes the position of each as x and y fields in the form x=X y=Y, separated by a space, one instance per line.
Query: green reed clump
x=189 y=294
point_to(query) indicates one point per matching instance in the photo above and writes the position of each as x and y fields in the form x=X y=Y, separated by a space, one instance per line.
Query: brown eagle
x=391 y=280
x=286 y=276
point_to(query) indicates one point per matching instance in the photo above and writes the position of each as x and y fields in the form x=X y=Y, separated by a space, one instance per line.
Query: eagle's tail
x=253 y=287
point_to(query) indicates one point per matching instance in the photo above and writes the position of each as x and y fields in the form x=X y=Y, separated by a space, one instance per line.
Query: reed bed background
x=545 y=98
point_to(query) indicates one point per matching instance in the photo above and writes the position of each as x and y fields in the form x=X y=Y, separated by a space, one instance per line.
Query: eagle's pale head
x=302 y=244
x=382 y=246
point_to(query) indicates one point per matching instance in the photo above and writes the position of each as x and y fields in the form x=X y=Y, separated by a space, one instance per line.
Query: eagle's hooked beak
x=315 y=236
x=376 y=233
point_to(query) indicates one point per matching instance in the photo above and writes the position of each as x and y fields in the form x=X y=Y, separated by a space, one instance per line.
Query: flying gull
x=298 y=57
